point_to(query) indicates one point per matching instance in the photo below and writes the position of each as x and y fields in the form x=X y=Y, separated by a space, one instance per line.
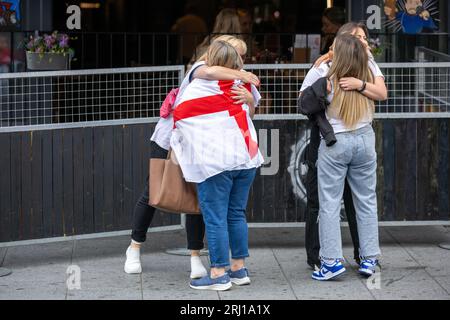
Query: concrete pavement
x=413 y=267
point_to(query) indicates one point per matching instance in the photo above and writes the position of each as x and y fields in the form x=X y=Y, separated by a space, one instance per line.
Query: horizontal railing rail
x=427 y=55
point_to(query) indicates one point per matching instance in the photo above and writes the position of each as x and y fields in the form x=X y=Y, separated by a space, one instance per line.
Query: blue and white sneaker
x=329 y=271
x=240 y=277
x=222 y=283
x=368 y=267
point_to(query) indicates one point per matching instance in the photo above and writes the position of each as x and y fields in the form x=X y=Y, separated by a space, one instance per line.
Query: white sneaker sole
x=329 y=275
x=132 y=270
x=366 y=273
x=215 y=287
x=241 y=282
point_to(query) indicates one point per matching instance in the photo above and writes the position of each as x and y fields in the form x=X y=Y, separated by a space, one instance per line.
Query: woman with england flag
x=215 y=142
x=159 y=145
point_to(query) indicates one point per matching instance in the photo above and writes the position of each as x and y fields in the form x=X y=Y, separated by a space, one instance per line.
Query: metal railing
x=413 y=88
x=427 y=55
x=417 y=88
x=50 y=98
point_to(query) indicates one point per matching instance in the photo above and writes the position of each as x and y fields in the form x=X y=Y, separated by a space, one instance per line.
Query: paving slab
x=413 y=267
x=445 y=283
x=121 y=294
x=267 y=279
x=101 y=264
x=38 y=255
x=166 y=276
x=39 y=271
x=35 y=293
x=35 y=282
x=402 y=277
x=346 y=287
x=424 y=248
x=86 y=250
x=420 y=235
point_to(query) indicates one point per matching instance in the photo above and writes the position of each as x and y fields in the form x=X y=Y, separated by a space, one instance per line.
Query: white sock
x=197 y=267
x=329 y=262
x=136 y=243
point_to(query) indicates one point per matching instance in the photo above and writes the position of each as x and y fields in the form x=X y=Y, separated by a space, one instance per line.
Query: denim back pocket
x=369 y=145
x=336 y=151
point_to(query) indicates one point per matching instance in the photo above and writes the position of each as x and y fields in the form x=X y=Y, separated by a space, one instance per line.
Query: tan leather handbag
x=168 y=191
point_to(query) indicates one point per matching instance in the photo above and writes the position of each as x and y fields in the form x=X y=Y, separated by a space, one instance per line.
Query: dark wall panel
x=87 y=180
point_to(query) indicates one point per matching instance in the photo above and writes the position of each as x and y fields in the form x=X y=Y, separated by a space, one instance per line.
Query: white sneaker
x=133 y=262
x=197 y=269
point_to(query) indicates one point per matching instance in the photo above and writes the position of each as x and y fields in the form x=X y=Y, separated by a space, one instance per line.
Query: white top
x=316 y=73
x=164 y=127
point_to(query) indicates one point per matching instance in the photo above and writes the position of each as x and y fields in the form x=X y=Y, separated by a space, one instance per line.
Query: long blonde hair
x=350 y=60
x=222 y=53
x=237 y=43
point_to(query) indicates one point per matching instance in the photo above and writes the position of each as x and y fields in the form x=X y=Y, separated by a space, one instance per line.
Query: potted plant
x=377 y=49
x=49 y=52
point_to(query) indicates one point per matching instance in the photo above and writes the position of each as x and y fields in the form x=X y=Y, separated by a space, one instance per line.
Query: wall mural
x=297 y=169
x=10 y=17
x=411 y=16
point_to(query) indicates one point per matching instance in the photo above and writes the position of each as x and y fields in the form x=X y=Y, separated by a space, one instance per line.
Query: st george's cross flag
x=212 y=134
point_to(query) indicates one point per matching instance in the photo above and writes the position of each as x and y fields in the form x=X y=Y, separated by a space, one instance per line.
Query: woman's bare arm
x=376 y=91
x=327 y=57
x=221 y=73
x=241 y=96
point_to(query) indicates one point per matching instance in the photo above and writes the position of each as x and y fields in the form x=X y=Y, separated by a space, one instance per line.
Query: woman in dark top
x=332 y=19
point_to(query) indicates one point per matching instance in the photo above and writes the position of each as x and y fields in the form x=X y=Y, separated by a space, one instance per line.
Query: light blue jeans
x=354 y=157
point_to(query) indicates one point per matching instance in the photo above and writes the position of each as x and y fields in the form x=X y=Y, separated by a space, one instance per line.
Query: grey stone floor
x=413 y=267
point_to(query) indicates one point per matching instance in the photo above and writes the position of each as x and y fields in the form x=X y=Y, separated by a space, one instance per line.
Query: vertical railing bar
x=96 y=50
x=125 y=51
x=139 y=49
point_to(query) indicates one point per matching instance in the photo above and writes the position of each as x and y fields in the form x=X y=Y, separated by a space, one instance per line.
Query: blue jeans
x=223 y=201
x=354 y=157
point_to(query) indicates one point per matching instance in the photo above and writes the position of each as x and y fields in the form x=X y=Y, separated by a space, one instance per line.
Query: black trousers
x=312 y=241
x=144 y=213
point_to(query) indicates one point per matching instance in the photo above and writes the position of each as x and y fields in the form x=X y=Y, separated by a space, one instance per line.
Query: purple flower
x=49 y=41
x=64 y=41
x=55 y=42
x=30 y=44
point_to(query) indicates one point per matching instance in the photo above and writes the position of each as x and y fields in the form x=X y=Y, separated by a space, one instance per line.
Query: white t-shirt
x=316 y=73
x=164 y=127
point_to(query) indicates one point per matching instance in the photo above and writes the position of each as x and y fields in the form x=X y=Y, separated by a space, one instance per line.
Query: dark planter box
x=48 y=62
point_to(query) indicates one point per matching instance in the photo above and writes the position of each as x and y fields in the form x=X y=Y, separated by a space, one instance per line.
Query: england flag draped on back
x=212 y=134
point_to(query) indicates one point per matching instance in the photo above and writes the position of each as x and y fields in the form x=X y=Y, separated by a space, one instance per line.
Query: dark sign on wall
x=10 y=15
x=398 y=16
x=411 y=16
